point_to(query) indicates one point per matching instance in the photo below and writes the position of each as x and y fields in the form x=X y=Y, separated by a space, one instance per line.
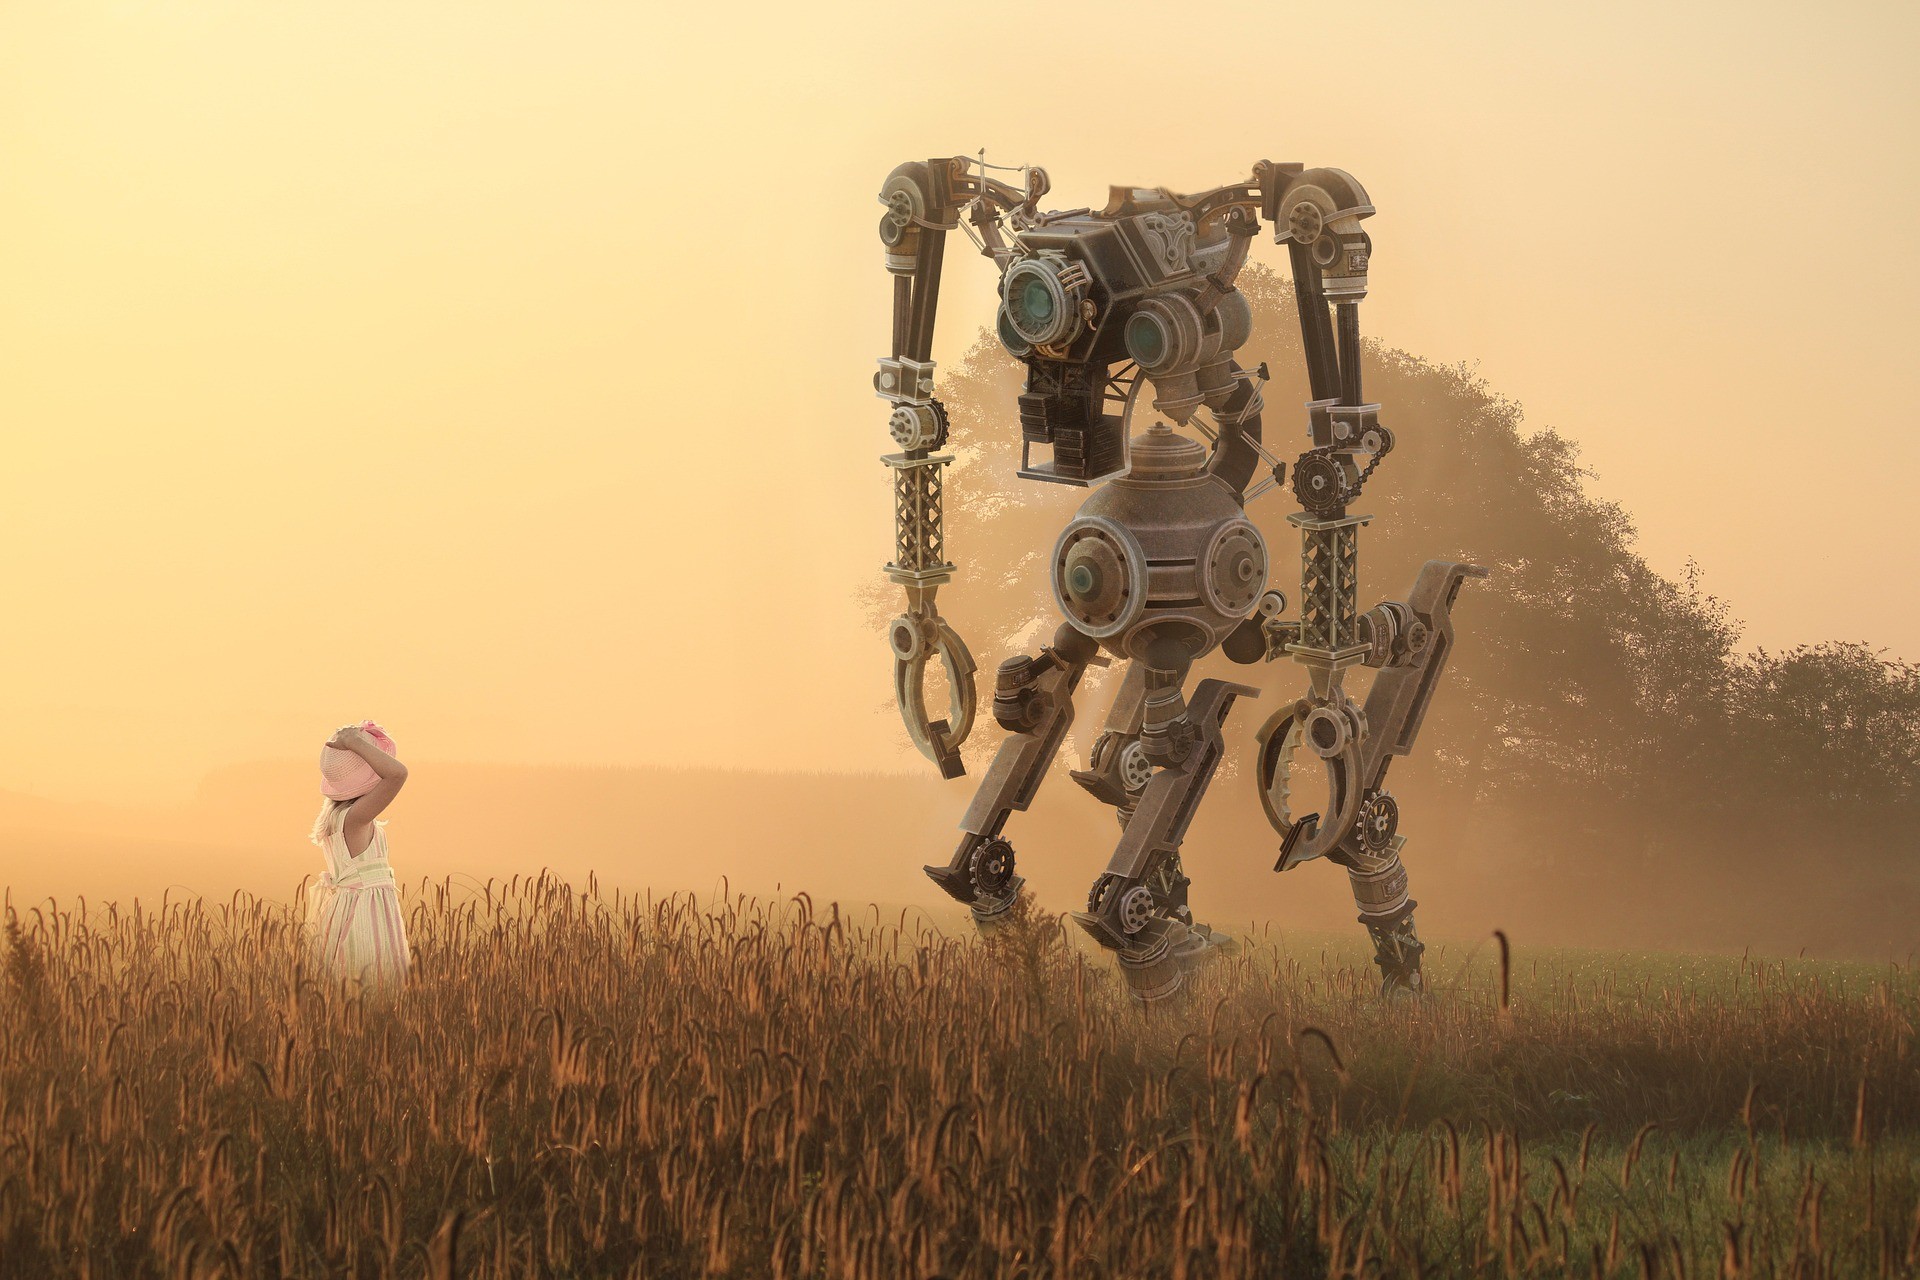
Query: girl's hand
x=347 y=736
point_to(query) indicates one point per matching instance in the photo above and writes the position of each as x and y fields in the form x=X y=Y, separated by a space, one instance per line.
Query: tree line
x=1592 y=700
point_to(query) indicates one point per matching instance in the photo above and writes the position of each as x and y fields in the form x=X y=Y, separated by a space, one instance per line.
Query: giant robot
x=1161 y=565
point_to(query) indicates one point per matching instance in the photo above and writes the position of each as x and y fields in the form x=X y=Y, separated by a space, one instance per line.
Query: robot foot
x=1156 y=961
x=981 y=875
x=1397 y=950
x=1202 y=946
x=991 y=915
x=1216 y=943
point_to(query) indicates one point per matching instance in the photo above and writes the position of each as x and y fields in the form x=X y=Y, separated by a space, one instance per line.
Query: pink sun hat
x=344 y=775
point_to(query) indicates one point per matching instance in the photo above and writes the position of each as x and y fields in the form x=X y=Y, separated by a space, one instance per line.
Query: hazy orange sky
x=500 y=371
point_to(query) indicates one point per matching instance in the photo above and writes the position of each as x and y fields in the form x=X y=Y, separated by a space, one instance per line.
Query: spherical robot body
x=1161 y=562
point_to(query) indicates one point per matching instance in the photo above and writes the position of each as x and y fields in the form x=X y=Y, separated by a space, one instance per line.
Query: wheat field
x=578 y=1084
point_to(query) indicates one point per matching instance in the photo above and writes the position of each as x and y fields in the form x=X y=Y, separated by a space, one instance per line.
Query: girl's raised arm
x=393 y=776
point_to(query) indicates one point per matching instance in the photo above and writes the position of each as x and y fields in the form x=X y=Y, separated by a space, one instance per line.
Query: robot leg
x=1379 y=881
x=1033 y=700
x=1117 y=768
x=1138 y=906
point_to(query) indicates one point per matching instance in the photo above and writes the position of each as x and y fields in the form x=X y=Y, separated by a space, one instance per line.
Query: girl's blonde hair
x=323 y=824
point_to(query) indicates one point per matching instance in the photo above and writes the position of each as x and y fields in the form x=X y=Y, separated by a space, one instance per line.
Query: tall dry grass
x=582 y=1085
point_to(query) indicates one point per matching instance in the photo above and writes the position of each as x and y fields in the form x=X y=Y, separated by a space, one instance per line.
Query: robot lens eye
x=1010 y=336
x=1146 y=341
x=1038 y=305
x=1083 y=580
x=1036 y=301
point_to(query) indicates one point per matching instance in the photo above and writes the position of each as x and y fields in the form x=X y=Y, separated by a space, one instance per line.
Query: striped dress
x=354 y=912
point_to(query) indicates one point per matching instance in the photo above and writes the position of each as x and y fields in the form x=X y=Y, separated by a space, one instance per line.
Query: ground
x=578 y=1084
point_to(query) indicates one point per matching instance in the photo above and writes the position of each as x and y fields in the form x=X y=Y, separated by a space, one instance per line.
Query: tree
x=1590 y=699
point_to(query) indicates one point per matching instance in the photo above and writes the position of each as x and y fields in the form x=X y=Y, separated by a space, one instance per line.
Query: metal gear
x=918 y=426
x=1331 y=731
x=1379 y=821
x=991 y=868
x=1136 y=908
x=1097 y=895
x=1320 y=483
x=1278 y=787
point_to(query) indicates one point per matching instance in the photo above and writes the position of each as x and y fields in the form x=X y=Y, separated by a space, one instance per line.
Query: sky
x=500 y=371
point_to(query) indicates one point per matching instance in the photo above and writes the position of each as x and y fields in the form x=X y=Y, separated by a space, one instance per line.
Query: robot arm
x=1318 y=214
x=924 y=201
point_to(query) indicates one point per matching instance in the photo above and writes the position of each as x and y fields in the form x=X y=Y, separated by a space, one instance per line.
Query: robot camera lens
x=1036 y=301
x=1038 y=306
x=1146 y=340
x=1010 y=337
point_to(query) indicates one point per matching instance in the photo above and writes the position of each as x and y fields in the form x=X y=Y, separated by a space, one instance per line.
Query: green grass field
x=578 y=1085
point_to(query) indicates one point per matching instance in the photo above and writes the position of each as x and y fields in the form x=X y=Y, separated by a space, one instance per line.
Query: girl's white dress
x=354 y=912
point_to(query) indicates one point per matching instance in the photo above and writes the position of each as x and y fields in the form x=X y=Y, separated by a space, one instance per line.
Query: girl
x=357 y=929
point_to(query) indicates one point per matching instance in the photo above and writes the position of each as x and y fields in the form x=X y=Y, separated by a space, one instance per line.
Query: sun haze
x=500 y=371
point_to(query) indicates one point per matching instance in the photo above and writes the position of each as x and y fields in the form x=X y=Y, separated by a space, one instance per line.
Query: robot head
x=1134 y=281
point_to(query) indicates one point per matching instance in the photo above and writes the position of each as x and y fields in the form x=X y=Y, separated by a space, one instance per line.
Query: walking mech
x=1161 y=565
